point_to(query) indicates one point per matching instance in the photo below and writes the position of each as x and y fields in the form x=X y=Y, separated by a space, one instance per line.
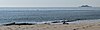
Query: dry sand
x=77 y=26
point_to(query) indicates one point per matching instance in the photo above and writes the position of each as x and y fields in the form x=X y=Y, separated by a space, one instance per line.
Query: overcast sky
x=48 y=3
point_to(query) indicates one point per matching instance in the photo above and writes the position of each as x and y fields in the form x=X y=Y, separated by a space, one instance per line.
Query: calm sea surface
x=47 y=14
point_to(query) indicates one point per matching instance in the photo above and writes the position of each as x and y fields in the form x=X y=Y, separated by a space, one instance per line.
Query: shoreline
x=54 y=22
x=76 y=25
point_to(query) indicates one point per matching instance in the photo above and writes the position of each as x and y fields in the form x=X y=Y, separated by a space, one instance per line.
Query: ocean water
x=47 y=14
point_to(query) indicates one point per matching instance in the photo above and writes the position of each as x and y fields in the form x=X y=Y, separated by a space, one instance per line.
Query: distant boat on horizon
x=85 y=6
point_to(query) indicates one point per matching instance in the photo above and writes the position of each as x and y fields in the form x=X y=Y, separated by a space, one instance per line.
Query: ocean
x=41 y=14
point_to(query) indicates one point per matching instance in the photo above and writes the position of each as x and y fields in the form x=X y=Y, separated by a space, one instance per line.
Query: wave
x=52 y=22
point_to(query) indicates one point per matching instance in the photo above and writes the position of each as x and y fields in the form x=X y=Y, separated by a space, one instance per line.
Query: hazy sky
x=48 y=3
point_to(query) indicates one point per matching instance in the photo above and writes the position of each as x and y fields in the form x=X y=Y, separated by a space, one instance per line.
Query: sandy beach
x=72 y=26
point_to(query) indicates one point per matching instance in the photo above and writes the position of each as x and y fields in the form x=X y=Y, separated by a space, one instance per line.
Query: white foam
x=79 y=21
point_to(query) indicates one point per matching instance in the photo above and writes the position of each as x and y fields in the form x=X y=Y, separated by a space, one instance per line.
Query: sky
x=48 y=3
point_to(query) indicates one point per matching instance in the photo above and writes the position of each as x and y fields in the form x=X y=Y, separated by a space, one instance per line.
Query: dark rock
x=65 y=22
x=18 y=24
x=56 y=22
x=24 y=24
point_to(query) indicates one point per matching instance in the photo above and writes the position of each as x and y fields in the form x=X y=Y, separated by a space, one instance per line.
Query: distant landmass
x=85 y=6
